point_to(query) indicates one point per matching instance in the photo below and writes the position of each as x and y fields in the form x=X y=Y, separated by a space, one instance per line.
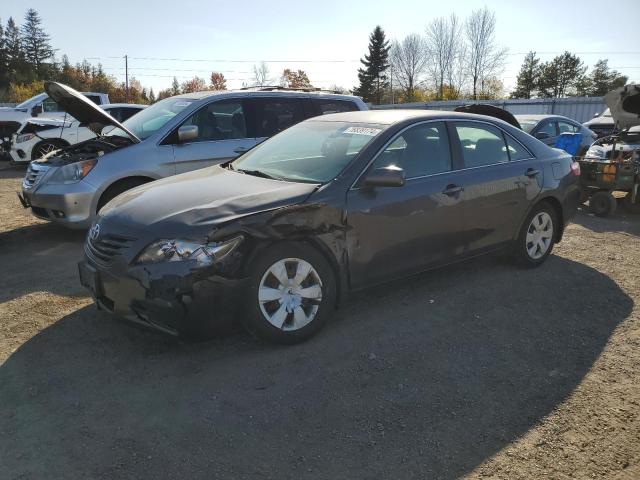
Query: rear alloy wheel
x=602 y=203
x=292 y=292
x=537 y=237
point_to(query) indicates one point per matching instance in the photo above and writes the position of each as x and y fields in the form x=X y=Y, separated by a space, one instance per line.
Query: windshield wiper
x=258 y=173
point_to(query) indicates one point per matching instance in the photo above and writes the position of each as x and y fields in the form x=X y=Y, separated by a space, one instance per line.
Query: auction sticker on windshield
x=369 y=131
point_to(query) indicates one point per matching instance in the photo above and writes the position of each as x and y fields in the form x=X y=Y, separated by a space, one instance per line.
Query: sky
x=326 y=39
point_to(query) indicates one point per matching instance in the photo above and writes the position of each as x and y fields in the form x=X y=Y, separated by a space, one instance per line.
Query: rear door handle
x=452 y=190
x=240 y=149
x=532 y=172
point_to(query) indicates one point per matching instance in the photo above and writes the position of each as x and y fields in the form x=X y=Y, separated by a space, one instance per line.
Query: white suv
x=38 y=136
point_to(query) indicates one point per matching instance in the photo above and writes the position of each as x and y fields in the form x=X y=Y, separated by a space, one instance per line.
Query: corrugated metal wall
x=580 y=109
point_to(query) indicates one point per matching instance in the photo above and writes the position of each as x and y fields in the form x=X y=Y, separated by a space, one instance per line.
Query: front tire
x=291 y=295
x=537 y=236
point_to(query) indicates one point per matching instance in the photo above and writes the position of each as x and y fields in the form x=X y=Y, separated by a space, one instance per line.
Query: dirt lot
x=477 y=370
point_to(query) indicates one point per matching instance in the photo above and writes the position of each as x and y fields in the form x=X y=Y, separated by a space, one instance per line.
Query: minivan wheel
x=291 y=294
x=537 y=237
x=602 y=203
x=119 y=187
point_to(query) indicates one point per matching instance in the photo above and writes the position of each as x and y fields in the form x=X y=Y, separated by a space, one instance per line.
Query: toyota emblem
x=94 y=232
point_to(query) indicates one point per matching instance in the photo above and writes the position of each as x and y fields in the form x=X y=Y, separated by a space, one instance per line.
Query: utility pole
x=126 y=78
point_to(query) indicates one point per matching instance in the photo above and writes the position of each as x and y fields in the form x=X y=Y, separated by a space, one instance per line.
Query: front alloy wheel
x=290 y=293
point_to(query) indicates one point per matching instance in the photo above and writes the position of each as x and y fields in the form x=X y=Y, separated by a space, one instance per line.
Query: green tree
x=175 y=87
x=528 y=77
x=561 y=76
x=13 y=45
x=373 y=81
x=152 y=96
x=35 y=41
x=601 y=80
x=4 y=60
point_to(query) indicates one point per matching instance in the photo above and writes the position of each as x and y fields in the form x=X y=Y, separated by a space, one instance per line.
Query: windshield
x=146 y=122
x=29 y=101
x=311 y=151
x=527 y=124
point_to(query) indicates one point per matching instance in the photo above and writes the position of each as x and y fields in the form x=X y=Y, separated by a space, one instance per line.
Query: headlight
x=24 y=137
x=178 y=250
x=74 y=172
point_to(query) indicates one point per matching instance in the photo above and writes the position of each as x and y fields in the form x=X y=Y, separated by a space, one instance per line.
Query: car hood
x=83 y=109
x=490 y=111
x=206 y=197
x=624 y=103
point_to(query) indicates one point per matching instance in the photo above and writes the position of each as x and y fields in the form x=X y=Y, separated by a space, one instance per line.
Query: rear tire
x=602 y=203
x=537 y=236
x=291 y=294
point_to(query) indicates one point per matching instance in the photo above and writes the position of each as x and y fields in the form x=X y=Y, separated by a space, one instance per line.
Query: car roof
x=266 y=93
x=540 y=117
x=121 y=105
x=389 y=117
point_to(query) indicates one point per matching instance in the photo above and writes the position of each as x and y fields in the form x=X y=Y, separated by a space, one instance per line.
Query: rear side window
x=516 y=150
x=481 y=145
x=125 y=113
x=420 y=150
x=276 y=114
x=223 y=120
x=318 y=106
x=95 y=99
x=566 y=127
x=549 y=128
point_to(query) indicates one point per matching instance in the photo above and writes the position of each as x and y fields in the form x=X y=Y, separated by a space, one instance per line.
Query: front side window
x=223 y=120
x=276 y=114
x=549 y=128
x=481 y=145
x=49 y=105
x=420 y=150
x=311 y=151
x=566 y=127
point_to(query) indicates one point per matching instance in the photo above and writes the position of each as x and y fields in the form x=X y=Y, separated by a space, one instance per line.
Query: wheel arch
x=57 y=141
x=556 y=205
x=136 y=180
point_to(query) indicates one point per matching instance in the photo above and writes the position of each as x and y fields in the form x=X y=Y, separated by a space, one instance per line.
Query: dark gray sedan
x=547 y=128
x=331 y=205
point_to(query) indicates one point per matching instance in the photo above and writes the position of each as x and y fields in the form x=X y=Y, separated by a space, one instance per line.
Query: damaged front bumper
x=170 y=297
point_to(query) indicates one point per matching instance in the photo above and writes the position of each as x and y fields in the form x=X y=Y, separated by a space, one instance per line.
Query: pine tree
x=4 y=65
x=175 y=87
x=373 y=81
x=13 y=45
x=528 y=77
x=36 y=44
x=561 y=76
x=152 y=96
x=602 y=80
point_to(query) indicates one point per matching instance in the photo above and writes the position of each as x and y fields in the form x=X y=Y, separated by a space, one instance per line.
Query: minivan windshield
x=151 y=119
x=312 y=151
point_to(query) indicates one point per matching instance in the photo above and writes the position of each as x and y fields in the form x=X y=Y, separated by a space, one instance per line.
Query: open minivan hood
x=624 y=103
x=490 y=111
x=83 y=109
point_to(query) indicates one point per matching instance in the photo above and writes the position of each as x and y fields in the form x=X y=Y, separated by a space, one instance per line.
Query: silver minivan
x=172 y=136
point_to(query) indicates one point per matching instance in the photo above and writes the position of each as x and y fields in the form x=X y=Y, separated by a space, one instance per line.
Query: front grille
x=34 y=175
x=103 y=249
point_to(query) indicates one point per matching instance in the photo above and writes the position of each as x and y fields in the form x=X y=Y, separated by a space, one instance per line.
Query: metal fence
x=580 y=109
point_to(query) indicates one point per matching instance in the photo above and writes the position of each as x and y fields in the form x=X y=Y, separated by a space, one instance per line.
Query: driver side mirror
x=187 y=133
x=36 y=110
x=390 y=176
x=542 y=135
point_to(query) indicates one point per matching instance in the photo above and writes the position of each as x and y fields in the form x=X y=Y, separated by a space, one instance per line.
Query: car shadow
x=41 y=258
x=423 y=378
x=620 y=221
x=8 y=170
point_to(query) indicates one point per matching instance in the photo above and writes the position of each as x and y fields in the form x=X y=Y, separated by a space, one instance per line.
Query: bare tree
x=484 y=57
x=409 y=61
x=261 y=75
x=443 y=43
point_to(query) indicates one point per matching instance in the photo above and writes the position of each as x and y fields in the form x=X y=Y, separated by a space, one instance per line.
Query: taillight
x=575 y=169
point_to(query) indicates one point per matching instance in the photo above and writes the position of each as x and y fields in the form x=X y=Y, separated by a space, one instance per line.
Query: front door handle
x=532 y=172
x=240 y=149
x=452 y=189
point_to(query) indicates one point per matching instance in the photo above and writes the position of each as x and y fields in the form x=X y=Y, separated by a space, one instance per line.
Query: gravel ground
x=477 y=370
